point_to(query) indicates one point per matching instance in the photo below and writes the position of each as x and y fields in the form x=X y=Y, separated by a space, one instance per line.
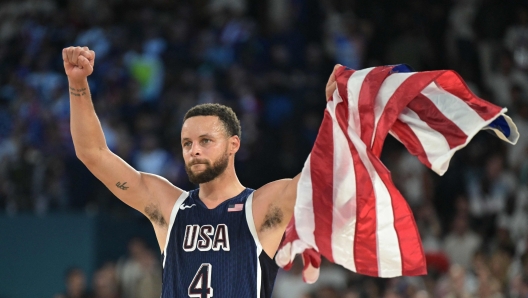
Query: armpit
x=154 y=214
x=274 y=216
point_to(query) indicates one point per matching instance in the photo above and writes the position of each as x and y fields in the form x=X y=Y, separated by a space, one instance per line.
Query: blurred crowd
x=269 y=60
x=135 y=275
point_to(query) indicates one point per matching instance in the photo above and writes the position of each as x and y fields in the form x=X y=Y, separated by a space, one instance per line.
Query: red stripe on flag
x=451 y=82
x=365 y=244
x=367 y=96
x=321 y=170
x=406 y=92
x=430 y=114
x=411 y=251
x=290 y=235
x=411 y=141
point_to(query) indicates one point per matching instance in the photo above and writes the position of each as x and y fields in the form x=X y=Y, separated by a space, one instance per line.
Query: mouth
x=195 y=165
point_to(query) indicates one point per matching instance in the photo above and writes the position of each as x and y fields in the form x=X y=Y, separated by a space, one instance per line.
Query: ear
x=234 y=144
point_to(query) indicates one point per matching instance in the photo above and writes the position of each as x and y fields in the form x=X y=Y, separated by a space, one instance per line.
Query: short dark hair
x=224 y=113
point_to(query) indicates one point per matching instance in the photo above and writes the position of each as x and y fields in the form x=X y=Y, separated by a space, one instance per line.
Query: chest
x=204 y=230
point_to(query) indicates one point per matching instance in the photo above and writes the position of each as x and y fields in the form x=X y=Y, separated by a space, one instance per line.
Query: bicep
x=279 y=194
x=272 y=211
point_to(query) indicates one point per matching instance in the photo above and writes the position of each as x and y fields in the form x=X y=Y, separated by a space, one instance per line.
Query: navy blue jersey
x=215 y=252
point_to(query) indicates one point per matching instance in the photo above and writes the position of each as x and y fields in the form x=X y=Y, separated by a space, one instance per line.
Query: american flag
x=347 y=207
x=235 y=207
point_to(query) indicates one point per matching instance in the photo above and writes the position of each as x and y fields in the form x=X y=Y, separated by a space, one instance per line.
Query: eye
x=206 y=141
x=186 y=144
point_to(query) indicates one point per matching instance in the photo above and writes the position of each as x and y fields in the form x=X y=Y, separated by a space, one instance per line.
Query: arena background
x=269 y=60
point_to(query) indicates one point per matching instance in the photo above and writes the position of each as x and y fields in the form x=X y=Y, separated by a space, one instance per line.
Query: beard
x=210 y=172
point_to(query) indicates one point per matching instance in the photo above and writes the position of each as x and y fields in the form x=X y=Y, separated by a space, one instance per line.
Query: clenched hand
x=78 y=62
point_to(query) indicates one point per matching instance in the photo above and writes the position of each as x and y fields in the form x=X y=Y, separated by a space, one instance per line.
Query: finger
x=69 y=53
x=75 y=56
x=336 y=67
x=330 y=90
x=65 y=55
x=332 y=75
x=92 y=62
x=84 y=63
x=87 y=54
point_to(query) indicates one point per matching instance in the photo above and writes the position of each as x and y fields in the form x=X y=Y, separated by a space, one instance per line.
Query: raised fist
x=78 y=62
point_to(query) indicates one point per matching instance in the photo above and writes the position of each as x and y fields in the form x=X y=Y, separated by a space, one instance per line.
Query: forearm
x=87 y=134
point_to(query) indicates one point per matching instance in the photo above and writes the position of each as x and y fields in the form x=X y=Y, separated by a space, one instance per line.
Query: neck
x=220 y=189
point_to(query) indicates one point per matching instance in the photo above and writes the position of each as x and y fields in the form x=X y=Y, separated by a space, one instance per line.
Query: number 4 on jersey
x=200 y=286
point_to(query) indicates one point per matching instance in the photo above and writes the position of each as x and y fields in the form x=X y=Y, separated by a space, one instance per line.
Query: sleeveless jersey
x=215 y=252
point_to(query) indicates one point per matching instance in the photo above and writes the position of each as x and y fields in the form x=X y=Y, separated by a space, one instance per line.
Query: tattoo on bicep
x=122 y=185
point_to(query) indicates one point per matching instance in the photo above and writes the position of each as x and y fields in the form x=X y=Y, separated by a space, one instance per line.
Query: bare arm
x=151 y=195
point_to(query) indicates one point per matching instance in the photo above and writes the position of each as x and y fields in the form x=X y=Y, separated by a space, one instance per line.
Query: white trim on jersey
x=174 y=211
x=253 y=229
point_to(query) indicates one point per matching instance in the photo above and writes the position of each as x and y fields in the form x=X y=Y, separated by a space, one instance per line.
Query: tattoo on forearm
x=122 y=186
x=77 y=92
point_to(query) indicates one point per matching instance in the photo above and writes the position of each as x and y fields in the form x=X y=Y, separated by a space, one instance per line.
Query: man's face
x=205 y=148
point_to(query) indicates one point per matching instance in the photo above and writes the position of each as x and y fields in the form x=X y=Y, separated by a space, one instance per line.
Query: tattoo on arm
x=122 y=185
x=77 y=92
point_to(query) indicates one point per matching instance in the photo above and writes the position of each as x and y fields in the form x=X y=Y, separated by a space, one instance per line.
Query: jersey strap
x=174 y=211
x=253 y=230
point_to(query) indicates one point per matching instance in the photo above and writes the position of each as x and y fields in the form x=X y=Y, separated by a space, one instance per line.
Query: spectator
x=105 y=282
x=289 y=283
x=518 y=154
x=151 y=158
x=501 y=79
x=461 y=243
x=489 y=193
x=516 y=39
x=269 y=62
x=75 y=280
x=456 y=284
x=139 y=275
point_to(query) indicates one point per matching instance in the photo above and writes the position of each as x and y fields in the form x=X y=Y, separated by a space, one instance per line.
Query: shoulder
x=161 y=185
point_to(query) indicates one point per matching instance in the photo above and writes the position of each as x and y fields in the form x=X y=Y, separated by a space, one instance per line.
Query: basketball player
x=216 y=241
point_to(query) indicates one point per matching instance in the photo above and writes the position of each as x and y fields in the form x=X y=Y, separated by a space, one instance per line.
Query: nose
x=195 y=150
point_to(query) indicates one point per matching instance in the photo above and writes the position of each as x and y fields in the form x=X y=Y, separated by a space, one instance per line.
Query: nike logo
x=183 y=207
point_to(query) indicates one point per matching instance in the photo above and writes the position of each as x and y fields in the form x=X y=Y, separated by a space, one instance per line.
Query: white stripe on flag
x=454 y=109
x=344 y=195
x=354 y=88
x=433 y=142
x=304 y=213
